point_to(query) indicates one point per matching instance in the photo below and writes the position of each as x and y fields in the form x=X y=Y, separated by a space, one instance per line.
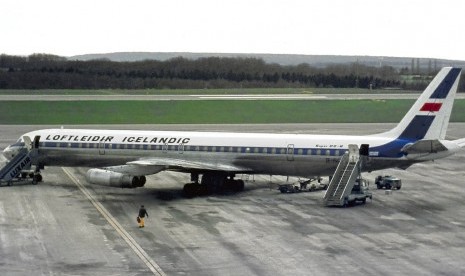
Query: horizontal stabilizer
x=424 y=146
x=460 y=142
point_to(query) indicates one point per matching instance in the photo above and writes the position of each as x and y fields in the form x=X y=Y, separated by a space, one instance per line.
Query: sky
x=403 y=28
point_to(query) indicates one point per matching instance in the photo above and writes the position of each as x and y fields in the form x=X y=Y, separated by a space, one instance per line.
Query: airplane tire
x=240 y=185
x=36 y=179
x=142 y=180
x=189 y=190
x=233 y=185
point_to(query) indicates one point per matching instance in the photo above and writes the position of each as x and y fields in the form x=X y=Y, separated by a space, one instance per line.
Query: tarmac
x=65 y=226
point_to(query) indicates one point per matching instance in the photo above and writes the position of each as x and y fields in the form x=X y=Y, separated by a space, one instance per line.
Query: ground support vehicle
x=388 y=182
x=359 y=193
x=302 y=186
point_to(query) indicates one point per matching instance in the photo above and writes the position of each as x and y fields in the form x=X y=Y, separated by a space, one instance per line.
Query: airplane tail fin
x=429 y=116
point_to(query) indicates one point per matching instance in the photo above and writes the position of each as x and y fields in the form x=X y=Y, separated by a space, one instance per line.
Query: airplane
x=123 y=158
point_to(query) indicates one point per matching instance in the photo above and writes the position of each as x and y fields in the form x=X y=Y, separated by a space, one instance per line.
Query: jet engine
x=114 y=179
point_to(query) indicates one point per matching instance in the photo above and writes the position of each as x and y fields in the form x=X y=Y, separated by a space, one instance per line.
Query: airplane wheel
x=240 y=185
x=36 y=179
x=190 y=190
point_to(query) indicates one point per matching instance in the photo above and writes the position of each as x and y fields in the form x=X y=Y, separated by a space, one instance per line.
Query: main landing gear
x=36 y=178
x=212 y=183
x=36 y=175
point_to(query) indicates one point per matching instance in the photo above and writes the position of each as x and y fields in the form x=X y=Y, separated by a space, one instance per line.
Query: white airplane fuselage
x=274 y=154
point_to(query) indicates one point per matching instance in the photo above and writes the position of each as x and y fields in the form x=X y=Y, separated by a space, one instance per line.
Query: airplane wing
x=132 y=174
x=154 y=165
x=186 y=166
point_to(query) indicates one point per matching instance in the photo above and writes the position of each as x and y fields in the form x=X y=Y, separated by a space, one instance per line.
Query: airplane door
x=290 y=152
x=35 y=145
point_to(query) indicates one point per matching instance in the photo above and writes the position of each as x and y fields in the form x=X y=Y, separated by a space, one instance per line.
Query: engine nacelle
x=114 y=179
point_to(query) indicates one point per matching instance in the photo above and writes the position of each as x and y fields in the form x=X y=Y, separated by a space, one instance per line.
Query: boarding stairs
x=24 y=159
x=344 y=178
x=12 y=169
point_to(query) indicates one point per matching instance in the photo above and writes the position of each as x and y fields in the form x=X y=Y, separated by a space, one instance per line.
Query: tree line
x=41 y=71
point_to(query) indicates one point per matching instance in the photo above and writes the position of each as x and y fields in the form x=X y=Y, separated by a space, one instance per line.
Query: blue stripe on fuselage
x=445 y=86
x=391 y=149
x=415 y=131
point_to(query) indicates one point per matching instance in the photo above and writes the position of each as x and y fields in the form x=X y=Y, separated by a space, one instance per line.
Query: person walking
x=141 y=217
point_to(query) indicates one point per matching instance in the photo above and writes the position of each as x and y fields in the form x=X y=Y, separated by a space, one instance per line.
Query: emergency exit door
x=290 y=152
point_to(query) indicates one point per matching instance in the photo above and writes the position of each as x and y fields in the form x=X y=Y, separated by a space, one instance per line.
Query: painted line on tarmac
x=263 y=97
x=149 y=262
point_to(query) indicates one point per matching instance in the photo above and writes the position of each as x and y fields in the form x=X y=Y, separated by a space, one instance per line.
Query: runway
x=54 y=228
x=245 y=97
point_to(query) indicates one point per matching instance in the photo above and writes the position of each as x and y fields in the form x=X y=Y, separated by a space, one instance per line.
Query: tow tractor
x=388 y=182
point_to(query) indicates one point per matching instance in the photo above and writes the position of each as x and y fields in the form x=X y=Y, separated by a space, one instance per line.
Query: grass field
x=209 y=112
x=238 y=91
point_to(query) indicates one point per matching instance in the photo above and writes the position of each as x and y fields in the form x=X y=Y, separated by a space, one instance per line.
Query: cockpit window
x=19 y=143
